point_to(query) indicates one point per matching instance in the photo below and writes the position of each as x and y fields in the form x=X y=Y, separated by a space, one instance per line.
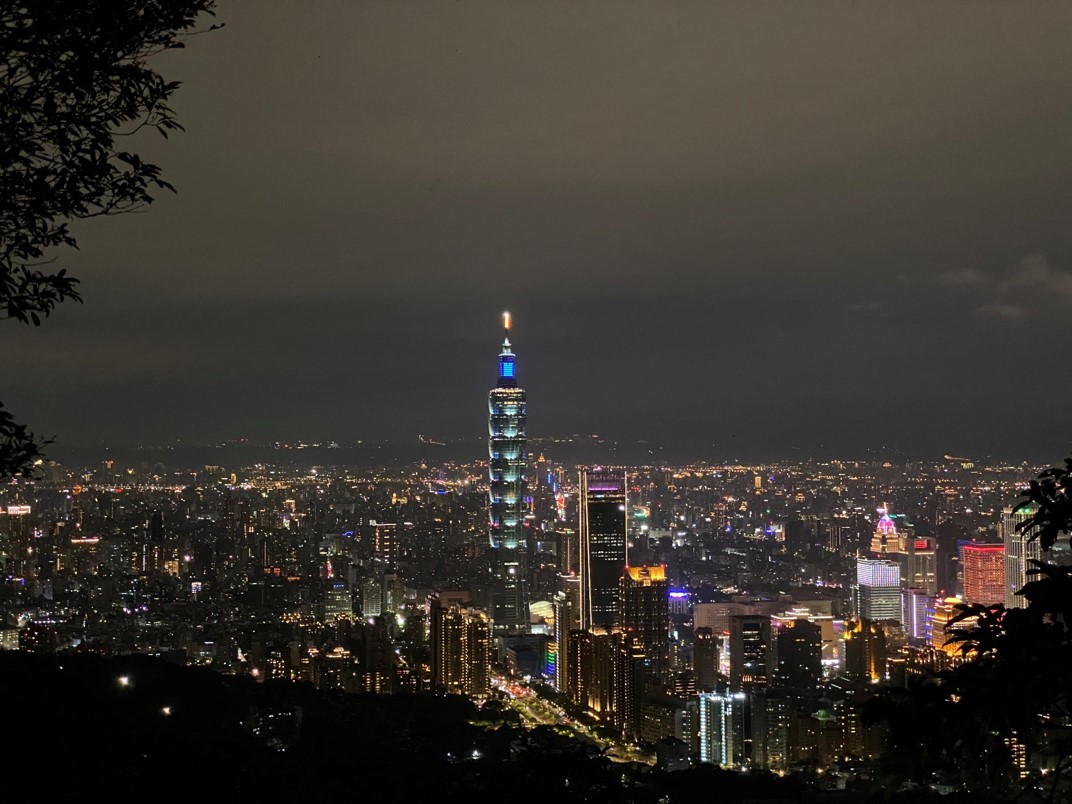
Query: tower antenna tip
x=506 y=320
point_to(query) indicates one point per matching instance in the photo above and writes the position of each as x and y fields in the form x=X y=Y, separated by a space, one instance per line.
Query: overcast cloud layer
x=742 y=228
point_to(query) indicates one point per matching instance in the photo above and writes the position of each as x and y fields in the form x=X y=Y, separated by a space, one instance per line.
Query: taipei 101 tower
x=506 y=496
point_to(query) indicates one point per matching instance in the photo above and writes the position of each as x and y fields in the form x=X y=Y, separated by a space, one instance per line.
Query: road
x=536 y=711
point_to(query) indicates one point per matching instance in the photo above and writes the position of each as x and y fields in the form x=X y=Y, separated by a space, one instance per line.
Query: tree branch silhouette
x=72 y=77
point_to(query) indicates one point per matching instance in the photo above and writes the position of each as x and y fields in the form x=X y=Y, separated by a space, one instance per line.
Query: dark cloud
x=1032 y=284
x=782 y=226
x=1001 y=309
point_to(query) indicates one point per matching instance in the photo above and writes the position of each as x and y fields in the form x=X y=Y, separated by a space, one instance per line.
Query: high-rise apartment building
x=460 y=649
x=372 y=595
x=476 y=654
x=602 y=504
x=565 y=606
x=984 y=573
x=385 y=542
x=447 y=637
x=506 y=495
x=645 y=618
x=628 y=685
x=716 y=729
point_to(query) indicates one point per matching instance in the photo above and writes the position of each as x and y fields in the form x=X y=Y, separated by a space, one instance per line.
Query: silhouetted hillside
x=76 y=727
x=137 y=727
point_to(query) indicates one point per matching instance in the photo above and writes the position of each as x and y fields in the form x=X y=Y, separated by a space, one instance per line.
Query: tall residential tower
x=506 y=495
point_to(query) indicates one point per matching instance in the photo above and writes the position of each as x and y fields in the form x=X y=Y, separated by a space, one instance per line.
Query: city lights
x=789 y=518
x=672 y=616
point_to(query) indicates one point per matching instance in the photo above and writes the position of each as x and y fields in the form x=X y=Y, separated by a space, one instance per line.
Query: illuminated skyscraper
x=865 y=650
x=884 y=540
x=385 y=542
x=603 y=556
x=914 y=603
x=460 y=649
x=751 y=669
x=506 y=494
x=918 y=557
x=716 y=729
x=1018 y=554
x=919 y=564
x=563 y=625
x=984 y=573
x=338 y=602
x=751 y=654
x=567 y=608
x=878 y=585
x=645 y=618
x=477 y=654
x=941 y=626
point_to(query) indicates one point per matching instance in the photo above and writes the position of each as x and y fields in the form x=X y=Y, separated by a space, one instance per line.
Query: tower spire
x=506 y=358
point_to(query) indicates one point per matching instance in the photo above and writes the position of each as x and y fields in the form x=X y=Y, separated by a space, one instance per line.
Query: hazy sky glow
x=740 y=227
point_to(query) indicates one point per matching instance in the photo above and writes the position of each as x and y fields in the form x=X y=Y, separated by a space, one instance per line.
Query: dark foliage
x=19 y=448
x=74 y=81
x=1052 y=494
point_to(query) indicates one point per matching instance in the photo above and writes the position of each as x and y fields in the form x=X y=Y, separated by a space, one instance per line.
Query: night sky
x=738 y=229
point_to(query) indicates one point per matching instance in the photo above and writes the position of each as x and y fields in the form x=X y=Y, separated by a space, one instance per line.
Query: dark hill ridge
x=139 y=728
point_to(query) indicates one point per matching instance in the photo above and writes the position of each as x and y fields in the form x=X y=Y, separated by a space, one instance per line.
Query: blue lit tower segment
x=506 y=494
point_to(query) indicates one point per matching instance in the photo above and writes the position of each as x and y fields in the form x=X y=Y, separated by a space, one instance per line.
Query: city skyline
x=788 y=286
x=739 y=623
x=789 y=254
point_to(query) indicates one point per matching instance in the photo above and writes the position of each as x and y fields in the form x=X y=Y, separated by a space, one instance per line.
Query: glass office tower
x=603 y=545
